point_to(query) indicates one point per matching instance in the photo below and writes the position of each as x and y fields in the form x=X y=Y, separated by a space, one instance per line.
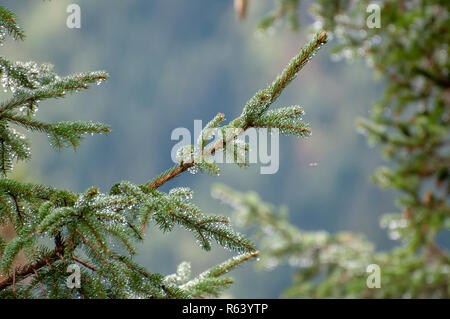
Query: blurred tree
x=335 y=265
x=410 y=52
x=97 y=232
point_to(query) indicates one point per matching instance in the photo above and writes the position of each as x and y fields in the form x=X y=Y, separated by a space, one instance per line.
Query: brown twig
x=26 y=271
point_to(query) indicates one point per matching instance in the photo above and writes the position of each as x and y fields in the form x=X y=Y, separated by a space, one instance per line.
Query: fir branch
x=10 y=70
x=60 y=134
x=262 y=100
x=8 y=25
x=85 y=264
x=214 y=227
x=27 y=270
x=210 y=282
x=231 y=263
x=86 y=227
x=60 y=87
x=254 y=109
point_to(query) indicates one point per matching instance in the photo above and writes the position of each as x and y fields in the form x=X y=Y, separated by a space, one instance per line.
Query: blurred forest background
x=172 y=62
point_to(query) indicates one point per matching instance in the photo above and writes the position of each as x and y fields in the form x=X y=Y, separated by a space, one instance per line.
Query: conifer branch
x=85 y=227
x=254 y=110
x=210 y=282
x=26 y=270
x=9 y=25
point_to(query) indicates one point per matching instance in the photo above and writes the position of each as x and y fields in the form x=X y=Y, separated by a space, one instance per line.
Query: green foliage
x=9 y=26
x=411 y=123
x=31 y=83
x=99 y=231
x=288 y=120
x=208 y=283
x=334 y=265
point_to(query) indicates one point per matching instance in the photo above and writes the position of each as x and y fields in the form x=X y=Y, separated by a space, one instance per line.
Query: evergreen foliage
x=99 y=231
x=334 y=265
x=411 y=123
